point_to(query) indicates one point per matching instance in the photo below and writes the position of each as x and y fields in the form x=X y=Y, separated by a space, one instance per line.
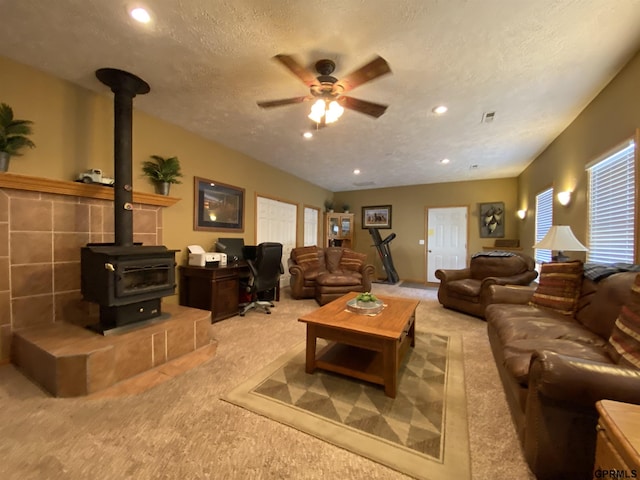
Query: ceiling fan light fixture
x=334 y=112
x=317 y=111
x=331 y=111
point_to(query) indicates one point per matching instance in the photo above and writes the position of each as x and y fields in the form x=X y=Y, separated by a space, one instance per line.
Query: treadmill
x=385 y=255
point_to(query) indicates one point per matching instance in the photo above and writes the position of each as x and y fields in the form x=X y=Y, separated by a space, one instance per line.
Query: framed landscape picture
x=376 y=217
x=217 y=207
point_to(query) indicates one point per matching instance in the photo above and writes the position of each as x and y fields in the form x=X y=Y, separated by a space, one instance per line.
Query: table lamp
x=560 y=238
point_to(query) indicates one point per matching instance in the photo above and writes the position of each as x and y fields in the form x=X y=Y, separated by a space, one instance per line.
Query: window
x=612 y=207
x=310 y=226
x=544 y=218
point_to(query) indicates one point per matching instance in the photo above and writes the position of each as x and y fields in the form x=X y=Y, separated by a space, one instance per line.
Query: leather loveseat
x=467 y=289
x=328 y=273
x=556 y=362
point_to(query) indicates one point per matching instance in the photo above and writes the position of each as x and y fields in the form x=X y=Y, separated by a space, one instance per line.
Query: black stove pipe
x=125 y=86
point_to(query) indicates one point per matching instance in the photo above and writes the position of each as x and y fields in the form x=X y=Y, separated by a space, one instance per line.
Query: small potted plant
x=345 y=208
x=328 y=205
x=13 y=136
x=163 y=172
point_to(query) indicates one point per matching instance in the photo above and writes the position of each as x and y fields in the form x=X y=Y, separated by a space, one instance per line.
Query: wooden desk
x=618 y=441
x=214 y=289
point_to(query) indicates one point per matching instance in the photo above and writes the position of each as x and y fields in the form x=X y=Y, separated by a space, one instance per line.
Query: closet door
x=276 y=222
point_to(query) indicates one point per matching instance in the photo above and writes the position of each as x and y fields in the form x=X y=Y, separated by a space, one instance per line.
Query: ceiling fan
x=328 y=92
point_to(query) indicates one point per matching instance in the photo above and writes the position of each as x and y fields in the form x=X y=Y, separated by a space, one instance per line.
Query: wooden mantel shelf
x=77 y=189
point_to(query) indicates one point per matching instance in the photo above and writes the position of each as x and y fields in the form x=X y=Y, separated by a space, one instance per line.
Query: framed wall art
x=491 y=220
x=376 y=217
x=217 y=207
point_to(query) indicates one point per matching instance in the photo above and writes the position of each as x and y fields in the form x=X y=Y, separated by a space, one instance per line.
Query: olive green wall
x=611 y=118
x=409 y=217
x=73 y=131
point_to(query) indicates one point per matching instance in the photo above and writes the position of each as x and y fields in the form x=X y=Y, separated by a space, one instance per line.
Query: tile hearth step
x=70 y=361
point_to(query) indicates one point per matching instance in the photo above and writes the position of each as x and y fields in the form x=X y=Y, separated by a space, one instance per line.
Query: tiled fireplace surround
x=43 y=225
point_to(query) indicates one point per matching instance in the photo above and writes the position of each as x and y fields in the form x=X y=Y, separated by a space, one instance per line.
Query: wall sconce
x=564 y=198
x=522 y=214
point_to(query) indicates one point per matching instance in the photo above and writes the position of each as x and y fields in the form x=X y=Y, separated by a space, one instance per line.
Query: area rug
x=422 y=432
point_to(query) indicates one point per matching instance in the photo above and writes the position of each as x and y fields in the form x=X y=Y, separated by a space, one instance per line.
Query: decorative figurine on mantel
x=13 y=136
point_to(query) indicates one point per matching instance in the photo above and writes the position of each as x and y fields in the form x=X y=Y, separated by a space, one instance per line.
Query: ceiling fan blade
x=374 y=69
x=283 y=101
x=298 y=70
x=362 y=106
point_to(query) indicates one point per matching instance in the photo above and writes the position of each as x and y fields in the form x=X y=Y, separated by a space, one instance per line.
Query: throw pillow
x=306 y=257
x=624 y=342
x=351 y=260
x=559 y=287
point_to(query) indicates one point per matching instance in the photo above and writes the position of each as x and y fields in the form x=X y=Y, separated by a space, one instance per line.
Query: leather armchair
x=328 y=273
x=467 y=289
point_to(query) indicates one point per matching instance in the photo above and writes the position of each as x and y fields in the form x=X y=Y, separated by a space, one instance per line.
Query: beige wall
x=74 y=131
x=611 y=118
x=409 y=207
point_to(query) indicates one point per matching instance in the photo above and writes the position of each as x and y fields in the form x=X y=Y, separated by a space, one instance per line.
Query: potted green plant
x=162 y=172
x=328 y=205
x=13 y=136
x=345 y=208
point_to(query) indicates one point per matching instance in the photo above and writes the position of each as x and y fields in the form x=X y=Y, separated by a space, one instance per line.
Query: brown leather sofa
x=328 y=273
x=554 y=367
x=467 y=289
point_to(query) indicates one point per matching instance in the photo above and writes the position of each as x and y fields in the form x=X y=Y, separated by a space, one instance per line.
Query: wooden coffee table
x=370 y=348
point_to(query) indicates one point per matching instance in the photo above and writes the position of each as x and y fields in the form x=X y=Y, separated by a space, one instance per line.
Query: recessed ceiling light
x=439 y=110
x=307 y=135
x=356 y=171
x=444 y=161
x=140 y=14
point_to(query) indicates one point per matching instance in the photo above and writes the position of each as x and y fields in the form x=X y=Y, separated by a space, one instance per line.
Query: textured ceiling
x=536 y=64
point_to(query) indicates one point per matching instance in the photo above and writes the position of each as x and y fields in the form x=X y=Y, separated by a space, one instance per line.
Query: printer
x=199 y=258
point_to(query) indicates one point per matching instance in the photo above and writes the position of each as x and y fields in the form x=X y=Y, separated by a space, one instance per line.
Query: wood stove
x=126 y=280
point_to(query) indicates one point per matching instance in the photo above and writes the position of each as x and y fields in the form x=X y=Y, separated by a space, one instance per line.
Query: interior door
x=276 y=222
x=446 y=239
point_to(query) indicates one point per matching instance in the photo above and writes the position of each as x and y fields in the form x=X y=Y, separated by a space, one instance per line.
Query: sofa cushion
x=517 y=354
x=488 y=264
x=332 y=256
x=306 y=257
x=625 y=338
x=526 y=322
x=351 y=260
x=467 y=287
x=339 y=279
x=559 y=287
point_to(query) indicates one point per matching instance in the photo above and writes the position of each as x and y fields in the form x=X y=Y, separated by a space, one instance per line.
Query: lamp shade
x=560 y=237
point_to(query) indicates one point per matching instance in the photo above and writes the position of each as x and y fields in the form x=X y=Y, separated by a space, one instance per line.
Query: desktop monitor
x=232 y=247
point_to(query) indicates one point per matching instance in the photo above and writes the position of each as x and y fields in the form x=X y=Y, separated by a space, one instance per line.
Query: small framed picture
x=491 y=219
x=376 y=217
x=217 y=207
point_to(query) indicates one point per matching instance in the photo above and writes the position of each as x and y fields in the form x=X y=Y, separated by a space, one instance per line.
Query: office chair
x=266 y=269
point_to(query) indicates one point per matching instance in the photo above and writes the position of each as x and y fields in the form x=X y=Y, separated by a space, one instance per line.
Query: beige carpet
x=182 y=430
x=422 y=432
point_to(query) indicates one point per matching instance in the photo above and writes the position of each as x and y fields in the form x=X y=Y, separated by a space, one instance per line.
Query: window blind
x=612 y=208
x=544 y=219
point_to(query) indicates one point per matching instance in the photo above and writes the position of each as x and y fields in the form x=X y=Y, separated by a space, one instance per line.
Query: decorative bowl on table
x=366 y=304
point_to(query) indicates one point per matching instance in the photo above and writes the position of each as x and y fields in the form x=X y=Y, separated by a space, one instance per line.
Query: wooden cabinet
x=618 y=441
x=213 y=289
x=338 y=230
